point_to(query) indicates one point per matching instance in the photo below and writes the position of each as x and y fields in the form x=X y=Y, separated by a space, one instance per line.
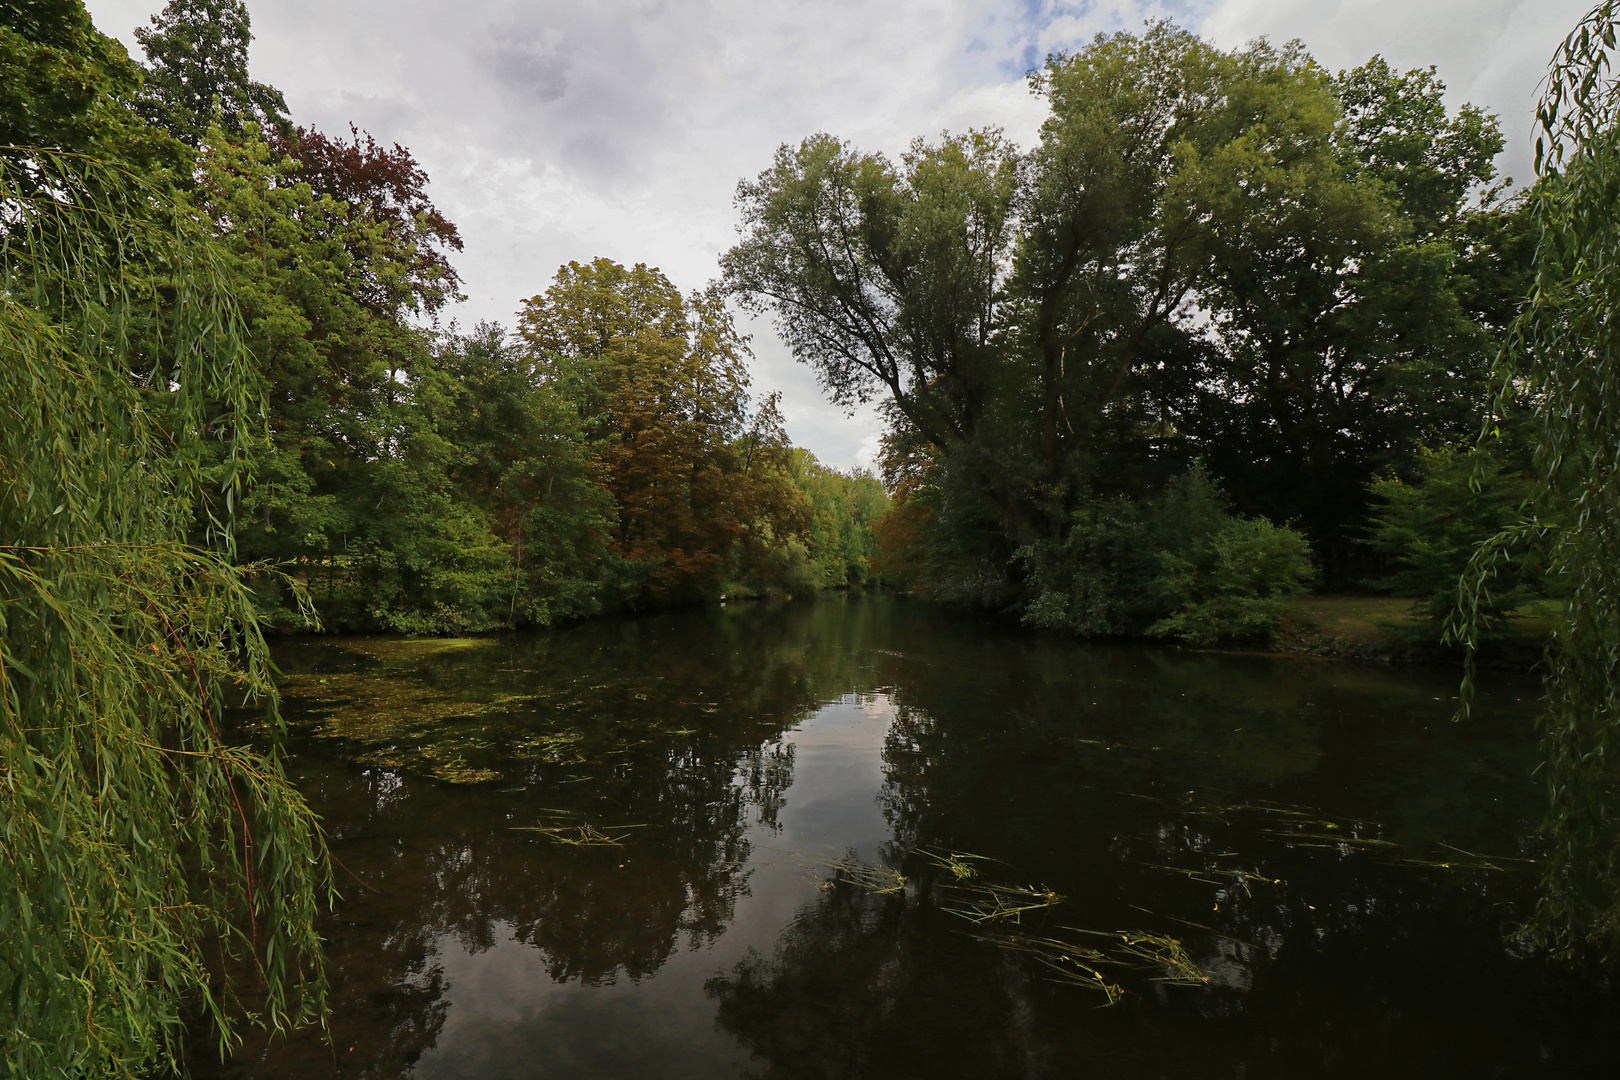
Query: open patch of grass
x=1394 y=628
x=1369 y=619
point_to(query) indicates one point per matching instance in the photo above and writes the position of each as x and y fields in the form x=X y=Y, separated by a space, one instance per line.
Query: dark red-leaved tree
x=386 y=188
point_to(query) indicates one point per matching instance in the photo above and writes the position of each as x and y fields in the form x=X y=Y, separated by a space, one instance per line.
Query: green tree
x=133 y=831
x=495 y=508
x=701 y=487
x=1342 y=297
x=841 y=509
x=1560 y=363
x=197 y=72
x=1181 y=565
x=64 y=86
x=1227 y=256
x=886 y=279
x=334 y=284
x=1428 y=527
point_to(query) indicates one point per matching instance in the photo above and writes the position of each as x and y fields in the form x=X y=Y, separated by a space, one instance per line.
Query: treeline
x=605 y=455
x=1225 y=333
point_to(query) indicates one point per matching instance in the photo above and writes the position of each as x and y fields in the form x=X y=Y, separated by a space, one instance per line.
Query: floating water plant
x=876 y=878
x=998 y=911
x=583 y=834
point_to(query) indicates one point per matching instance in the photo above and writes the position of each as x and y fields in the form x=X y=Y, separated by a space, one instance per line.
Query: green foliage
x=1228 y=256
x=197 y=71
x=133 y=832
x=1182 y=565
x=842 y=508
x=1230 y=588
x=428 y=481
x=1560 y=362
x=1430 y=527
x=701 y=485
x=1343 y=298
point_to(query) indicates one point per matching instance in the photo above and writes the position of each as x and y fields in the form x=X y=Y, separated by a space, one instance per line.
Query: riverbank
x=1387 y=628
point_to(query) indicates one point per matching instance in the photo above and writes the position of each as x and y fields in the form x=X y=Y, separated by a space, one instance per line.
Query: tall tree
x=1341 y=300
x=1208 y=254
x=387 y=190
x=64 y=85
x=197 y=71
x=336 y=283
x=702 y=487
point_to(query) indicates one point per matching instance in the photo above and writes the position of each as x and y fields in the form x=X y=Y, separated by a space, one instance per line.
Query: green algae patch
x=465 y=711
x=396 y=721
x=411 y=648
x=400 y=703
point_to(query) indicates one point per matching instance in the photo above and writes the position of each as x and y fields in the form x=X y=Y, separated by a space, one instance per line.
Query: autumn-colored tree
x=387 y=190
x=702 y=487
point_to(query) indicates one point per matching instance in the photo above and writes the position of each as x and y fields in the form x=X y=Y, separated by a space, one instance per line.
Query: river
x=867 y=837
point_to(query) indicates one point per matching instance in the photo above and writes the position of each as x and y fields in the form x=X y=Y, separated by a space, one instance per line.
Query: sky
x=564 y=130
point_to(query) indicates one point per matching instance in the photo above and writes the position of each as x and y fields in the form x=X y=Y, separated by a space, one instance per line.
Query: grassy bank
x=1387 y=628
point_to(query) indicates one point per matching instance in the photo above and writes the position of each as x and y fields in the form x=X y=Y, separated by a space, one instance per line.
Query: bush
x=1182 y=565
x=1429 y=529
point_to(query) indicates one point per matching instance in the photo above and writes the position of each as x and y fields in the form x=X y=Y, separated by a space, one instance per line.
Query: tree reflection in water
x=670 y=723
x=1310 y=833
x=1287 y=821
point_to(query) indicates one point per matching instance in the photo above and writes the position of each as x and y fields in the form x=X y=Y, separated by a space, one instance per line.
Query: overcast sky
x=558 y=130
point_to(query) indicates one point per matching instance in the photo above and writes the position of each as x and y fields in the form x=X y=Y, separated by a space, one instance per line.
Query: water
x=727 y=843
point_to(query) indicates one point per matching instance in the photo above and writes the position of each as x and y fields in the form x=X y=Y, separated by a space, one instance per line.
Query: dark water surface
x=868 y=838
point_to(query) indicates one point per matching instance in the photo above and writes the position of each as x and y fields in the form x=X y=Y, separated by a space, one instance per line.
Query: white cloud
x=568 y=129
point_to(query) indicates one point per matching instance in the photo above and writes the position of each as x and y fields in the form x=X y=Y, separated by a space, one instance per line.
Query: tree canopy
x=1228 y=256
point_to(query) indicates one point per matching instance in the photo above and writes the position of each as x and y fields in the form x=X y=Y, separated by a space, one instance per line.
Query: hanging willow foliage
x=143 y=854
x=1563 y=361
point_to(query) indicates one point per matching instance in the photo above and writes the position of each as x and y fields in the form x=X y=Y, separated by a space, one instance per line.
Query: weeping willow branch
x=133 y=832
x=1563 y=361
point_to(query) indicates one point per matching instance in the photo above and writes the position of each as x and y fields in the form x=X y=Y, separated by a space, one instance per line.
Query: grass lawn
x=1370 y=620
x=1387 y=626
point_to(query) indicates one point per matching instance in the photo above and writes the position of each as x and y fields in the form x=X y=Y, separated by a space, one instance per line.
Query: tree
x=496 y=513
x=403 y=258
x=64 y=86
x=702 y=489
x=133 y=831
x=1429 y=527
x=197 y=72
x=841 y=509
x=334 y=283
x=1341 y=300
x=1209 y=255
x=885 y=280
x=1561 y=363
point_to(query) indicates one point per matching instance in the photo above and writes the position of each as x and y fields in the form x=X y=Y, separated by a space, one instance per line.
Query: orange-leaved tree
x=702 y=486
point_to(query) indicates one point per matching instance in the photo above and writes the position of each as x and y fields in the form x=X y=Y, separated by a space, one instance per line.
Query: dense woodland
x=1234 y=328
x=422 y=477
x=1223 y=335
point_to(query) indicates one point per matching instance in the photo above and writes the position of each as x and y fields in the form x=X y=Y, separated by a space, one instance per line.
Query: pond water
x=865 y=837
